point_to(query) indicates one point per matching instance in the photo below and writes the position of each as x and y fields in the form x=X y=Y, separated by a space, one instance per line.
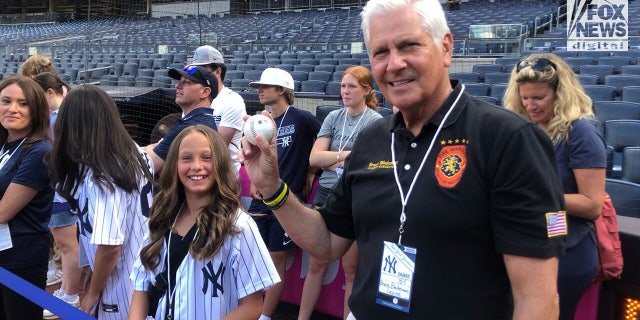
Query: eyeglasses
x=539 y=64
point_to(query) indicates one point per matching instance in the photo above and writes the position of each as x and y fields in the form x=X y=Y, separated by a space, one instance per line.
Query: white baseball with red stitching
x=258 y=125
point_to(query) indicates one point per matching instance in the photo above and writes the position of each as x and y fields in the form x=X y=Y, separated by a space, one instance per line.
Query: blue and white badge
x=339 y=171
x=396 y=276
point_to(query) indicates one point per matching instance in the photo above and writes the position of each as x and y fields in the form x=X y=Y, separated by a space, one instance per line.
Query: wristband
x=279 y=203
x=278 y=198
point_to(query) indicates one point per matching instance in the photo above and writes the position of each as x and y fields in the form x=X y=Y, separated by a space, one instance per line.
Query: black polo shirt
x=483 y=192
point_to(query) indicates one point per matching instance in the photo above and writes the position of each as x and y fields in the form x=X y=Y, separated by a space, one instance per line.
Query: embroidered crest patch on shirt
x=556 y=223
x=451 y=162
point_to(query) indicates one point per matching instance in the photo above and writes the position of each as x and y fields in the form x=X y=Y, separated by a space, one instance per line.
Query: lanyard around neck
x=281 y=122
x=355 y=129
x=403 y=198
x=4 y=154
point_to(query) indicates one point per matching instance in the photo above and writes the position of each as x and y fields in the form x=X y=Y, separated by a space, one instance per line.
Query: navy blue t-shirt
x=30 y=227
x=584 y=148
x=297 y=131
x=202 y=115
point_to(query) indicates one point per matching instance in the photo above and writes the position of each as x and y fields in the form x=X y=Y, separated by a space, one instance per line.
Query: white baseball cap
x=206 y=55
x=274 y=77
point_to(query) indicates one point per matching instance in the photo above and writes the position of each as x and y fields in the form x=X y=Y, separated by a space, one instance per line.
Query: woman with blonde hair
x=335 y=140
x=203 y=257
x=543 y=89
x=35 y=65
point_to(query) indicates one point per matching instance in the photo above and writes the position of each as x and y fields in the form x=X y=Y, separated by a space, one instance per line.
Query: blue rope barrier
x=41 y=297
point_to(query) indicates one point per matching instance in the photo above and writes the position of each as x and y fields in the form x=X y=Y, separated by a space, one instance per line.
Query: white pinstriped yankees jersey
x=209 y=289
x=113 y=218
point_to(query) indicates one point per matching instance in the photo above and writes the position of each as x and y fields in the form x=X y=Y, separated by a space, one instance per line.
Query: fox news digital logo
x=597 y=25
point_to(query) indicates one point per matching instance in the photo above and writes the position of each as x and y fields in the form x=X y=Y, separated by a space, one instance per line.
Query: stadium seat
x=143 y=81
x=348 y=61
x=160 y=63
x=599 y=92
x=616 y=110
x=260 y=67
x=306 y=55
x=234 y=74
x=324 y=68
x=242 y=84
x=322 y=111
x=126 y=81
x=303 y=67
x=299 y=75
x=244 y=67
x=384 y=111
x=616 y=61
x=621 y=80
x=599 y=70
x=508 y=63
x=179 y=58
x=587 y=79
x=481 y=69
x=290 y=61
x=323 y=55
x=477 y=89
x=285 y=67
x=465 y=77
x=329 y=61
x=491 y=100
x=310 y=61
x=333 y=88
x=631 y=164
x=342 y=55
x=109 y=80
x=497 y=91
x=146 y=63
x=160 y=73
x=313 y=86
x=625 y=196
x=342 y=67
x=620 y=134
x=130 y=69
x=594 y=55
x=631 y=69
x=631 y=93
x=320 y=75
x=252 y=75
x=255 y=61
x=577 y=62
x=161 y=82
x=147 y=72
x=496 y=77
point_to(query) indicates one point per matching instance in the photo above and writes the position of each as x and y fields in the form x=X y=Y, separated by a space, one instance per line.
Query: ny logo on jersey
x=83 y=219
x=213 y=277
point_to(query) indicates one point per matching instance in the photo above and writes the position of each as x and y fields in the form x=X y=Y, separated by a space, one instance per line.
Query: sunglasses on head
x=190 y=69
x=537 y=65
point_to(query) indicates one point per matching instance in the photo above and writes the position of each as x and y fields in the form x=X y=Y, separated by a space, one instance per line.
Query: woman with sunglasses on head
x=543 y=89
x=335 y=140
x=203 y=257
x=25 y=194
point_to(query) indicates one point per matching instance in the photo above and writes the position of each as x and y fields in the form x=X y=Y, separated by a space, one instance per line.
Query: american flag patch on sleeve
x=556 y=223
